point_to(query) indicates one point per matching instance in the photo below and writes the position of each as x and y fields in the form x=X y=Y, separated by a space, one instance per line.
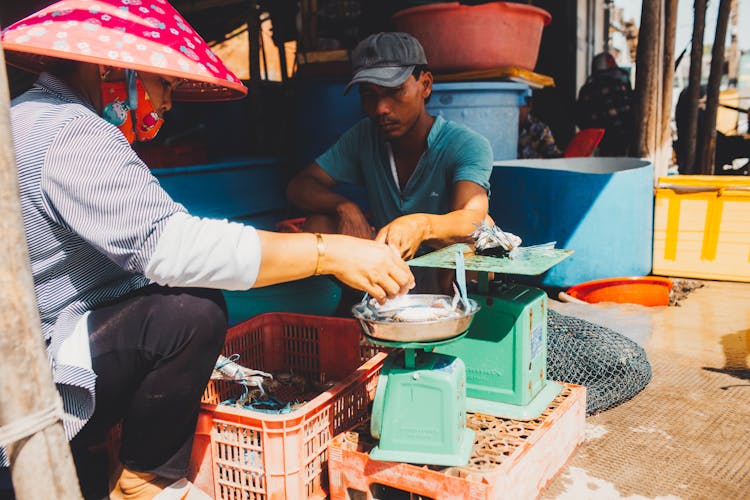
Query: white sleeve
x=209 y=253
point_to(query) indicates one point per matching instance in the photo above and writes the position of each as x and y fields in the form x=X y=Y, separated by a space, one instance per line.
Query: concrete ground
x=687 y=434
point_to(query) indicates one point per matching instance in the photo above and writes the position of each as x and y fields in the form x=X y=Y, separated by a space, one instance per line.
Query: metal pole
x=708 y=135
x=41 y=465
x=688 y=143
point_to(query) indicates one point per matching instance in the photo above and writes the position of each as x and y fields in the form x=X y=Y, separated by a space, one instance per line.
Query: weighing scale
x=419 y=411
x=505 y=352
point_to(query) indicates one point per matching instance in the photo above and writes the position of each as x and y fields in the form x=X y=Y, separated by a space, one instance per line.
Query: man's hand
x=405 y=234
x=352 y=222
x=367 y=265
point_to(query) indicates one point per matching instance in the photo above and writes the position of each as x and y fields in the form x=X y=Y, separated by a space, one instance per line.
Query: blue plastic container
x=323 y=114
x=248 y=190
x=602 y=208
x=318 y=295
x=490 y=108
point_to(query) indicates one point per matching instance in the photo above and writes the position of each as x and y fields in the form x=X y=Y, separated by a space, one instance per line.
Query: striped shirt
x=93 y=214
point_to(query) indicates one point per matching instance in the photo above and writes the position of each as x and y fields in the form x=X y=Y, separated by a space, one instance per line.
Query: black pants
x=153 y=353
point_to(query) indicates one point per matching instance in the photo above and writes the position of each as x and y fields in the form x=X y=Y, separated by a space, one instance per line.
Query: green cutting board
x=530 y=261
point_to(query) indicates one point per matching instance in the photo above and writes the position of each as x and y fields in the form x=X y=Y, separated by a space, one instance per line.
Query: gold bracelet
x=321 y=246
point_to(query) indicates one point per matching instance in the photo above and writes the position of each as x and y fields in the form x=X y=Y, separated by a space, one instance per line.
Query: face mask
x=127 y=106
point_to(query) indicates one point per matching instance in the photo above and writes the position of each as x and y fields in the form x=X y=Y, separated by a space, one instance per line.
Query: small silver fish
x=487 y=237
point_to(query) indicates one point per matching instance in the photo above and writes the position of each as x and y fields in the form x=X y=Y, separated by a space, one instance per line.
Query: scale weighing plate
x=530 y=260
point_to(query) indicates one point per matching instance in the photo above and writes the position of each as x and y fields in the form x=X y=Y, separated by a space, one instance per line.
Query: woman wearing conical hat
x=127 y=281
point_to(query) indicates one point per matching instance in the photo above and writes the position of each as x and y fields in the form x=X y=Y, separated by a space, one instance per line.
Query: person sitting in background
x=426 y=178
x=535 y=139
x=127 y=282
x=606 y=101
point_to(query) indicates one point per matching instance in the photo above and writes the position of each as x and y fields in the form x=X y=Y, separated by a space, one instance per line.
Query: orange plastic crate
x=510 y=459
x=243 y=454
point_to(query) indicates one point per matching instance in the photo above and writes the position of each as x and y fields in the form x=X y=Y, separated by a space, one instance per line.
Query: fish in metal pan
x=405 y=310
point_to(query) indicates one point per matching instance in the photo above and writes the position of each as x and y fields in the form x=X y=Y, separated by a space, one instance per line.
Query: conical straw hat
x=145 y=35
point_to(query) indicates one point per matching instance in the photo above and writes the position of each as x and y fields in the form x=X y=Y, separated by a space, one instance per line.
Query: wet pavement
x=686 y=434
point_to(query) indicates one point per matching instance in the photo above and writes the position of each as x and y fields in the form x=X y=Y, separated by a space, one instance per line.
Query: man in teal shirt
x=427 y=179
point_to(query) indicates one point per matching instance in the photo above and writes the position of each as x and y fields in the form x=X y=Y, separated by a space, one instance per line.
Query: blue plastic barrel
x=489 y=108
x=602 y=208
x=323 y=113
x=250 y=190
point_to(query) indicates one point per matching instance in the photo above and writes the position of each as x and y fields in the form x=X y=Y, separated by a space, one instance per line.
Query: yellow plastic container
x=702 y=227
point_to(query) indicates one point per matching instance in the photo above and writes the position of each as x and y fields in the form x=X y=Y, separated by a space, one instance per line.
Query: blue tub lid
x=474 y=86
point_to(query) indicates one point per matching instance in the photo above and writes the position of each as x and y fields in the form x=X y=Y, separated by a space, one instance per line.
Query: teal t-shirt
x=454 y=153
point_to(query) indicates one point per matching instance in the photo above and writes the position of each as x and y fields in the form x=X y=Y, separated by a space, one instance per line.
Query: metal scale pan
x=419 y=411
x=396 y=333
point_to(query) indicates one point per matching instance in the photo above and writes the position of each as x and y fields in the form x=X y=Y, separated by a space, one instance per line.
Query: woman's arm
x=219 y=254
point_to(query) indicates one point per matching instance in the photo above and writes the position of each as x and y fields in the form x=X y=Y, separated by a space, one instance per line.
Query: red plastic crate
x=242 y=454
x=291 y=225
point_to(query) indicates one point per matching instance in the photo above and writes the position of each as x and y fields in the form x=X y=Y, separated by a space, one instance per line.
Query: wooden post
x=668 y=68
x=734 y=49
x=41 y=465
x=313 y=13
x=708 y=135
x=253 y=34
x=254 y=84
x=647 y=107
x=688 y=143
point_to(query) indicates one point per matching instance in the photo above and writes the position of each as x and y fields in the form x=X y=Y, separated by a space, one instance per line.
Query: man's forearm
x=453 y=227
x=311 y=195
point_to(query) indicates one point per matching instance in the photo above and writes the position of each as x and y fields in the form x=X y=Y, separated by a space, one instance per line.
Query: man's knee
x=321 y=223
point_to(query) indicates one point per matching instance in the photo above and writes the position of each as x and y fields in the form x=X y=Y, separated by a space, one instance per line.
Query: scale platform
x=530 y=261
x=505 y=350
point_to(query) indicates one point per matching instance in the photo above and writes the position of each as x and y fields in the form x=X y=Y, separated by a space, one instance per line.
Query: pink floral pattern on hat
x=145 y=35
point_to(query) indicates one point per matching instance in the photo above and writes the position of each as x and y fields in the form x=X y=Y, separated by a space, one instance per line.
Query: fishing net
x=612 y=367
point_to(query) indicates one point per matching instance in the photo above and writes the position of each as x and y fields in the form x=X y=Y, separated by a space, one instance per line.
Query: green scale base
x=505 y=353
x=419 y=412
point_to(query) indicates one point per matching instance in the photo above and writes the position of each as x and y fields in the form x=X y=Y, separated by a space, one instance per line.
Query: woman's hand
x=352 y=222
x=367 y=265
x=405 y=234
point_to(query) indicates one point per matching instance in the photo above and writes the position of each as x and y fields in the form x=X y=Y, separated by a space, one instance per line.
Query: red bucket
x=459 y=37
x=644 y=290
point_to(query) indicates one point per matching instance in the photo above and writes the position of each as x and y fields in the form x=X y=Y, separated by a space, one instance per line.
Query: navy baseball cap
x=386 y=59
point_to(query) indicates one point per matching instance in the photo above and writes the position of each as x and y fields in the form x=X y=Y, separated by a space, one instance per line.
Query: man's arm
x=311 y=190
x=469 y=207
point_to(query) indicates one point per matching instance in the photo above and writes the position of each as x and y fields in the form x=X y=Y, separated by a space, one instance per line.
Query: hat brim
x=386 y=76
x=153 y=39
x=194 y=88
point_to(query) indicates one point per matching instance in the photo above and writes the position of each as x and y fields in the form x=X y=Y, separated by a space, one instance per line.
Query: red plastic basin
x=644 y=290
x=460 y=37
